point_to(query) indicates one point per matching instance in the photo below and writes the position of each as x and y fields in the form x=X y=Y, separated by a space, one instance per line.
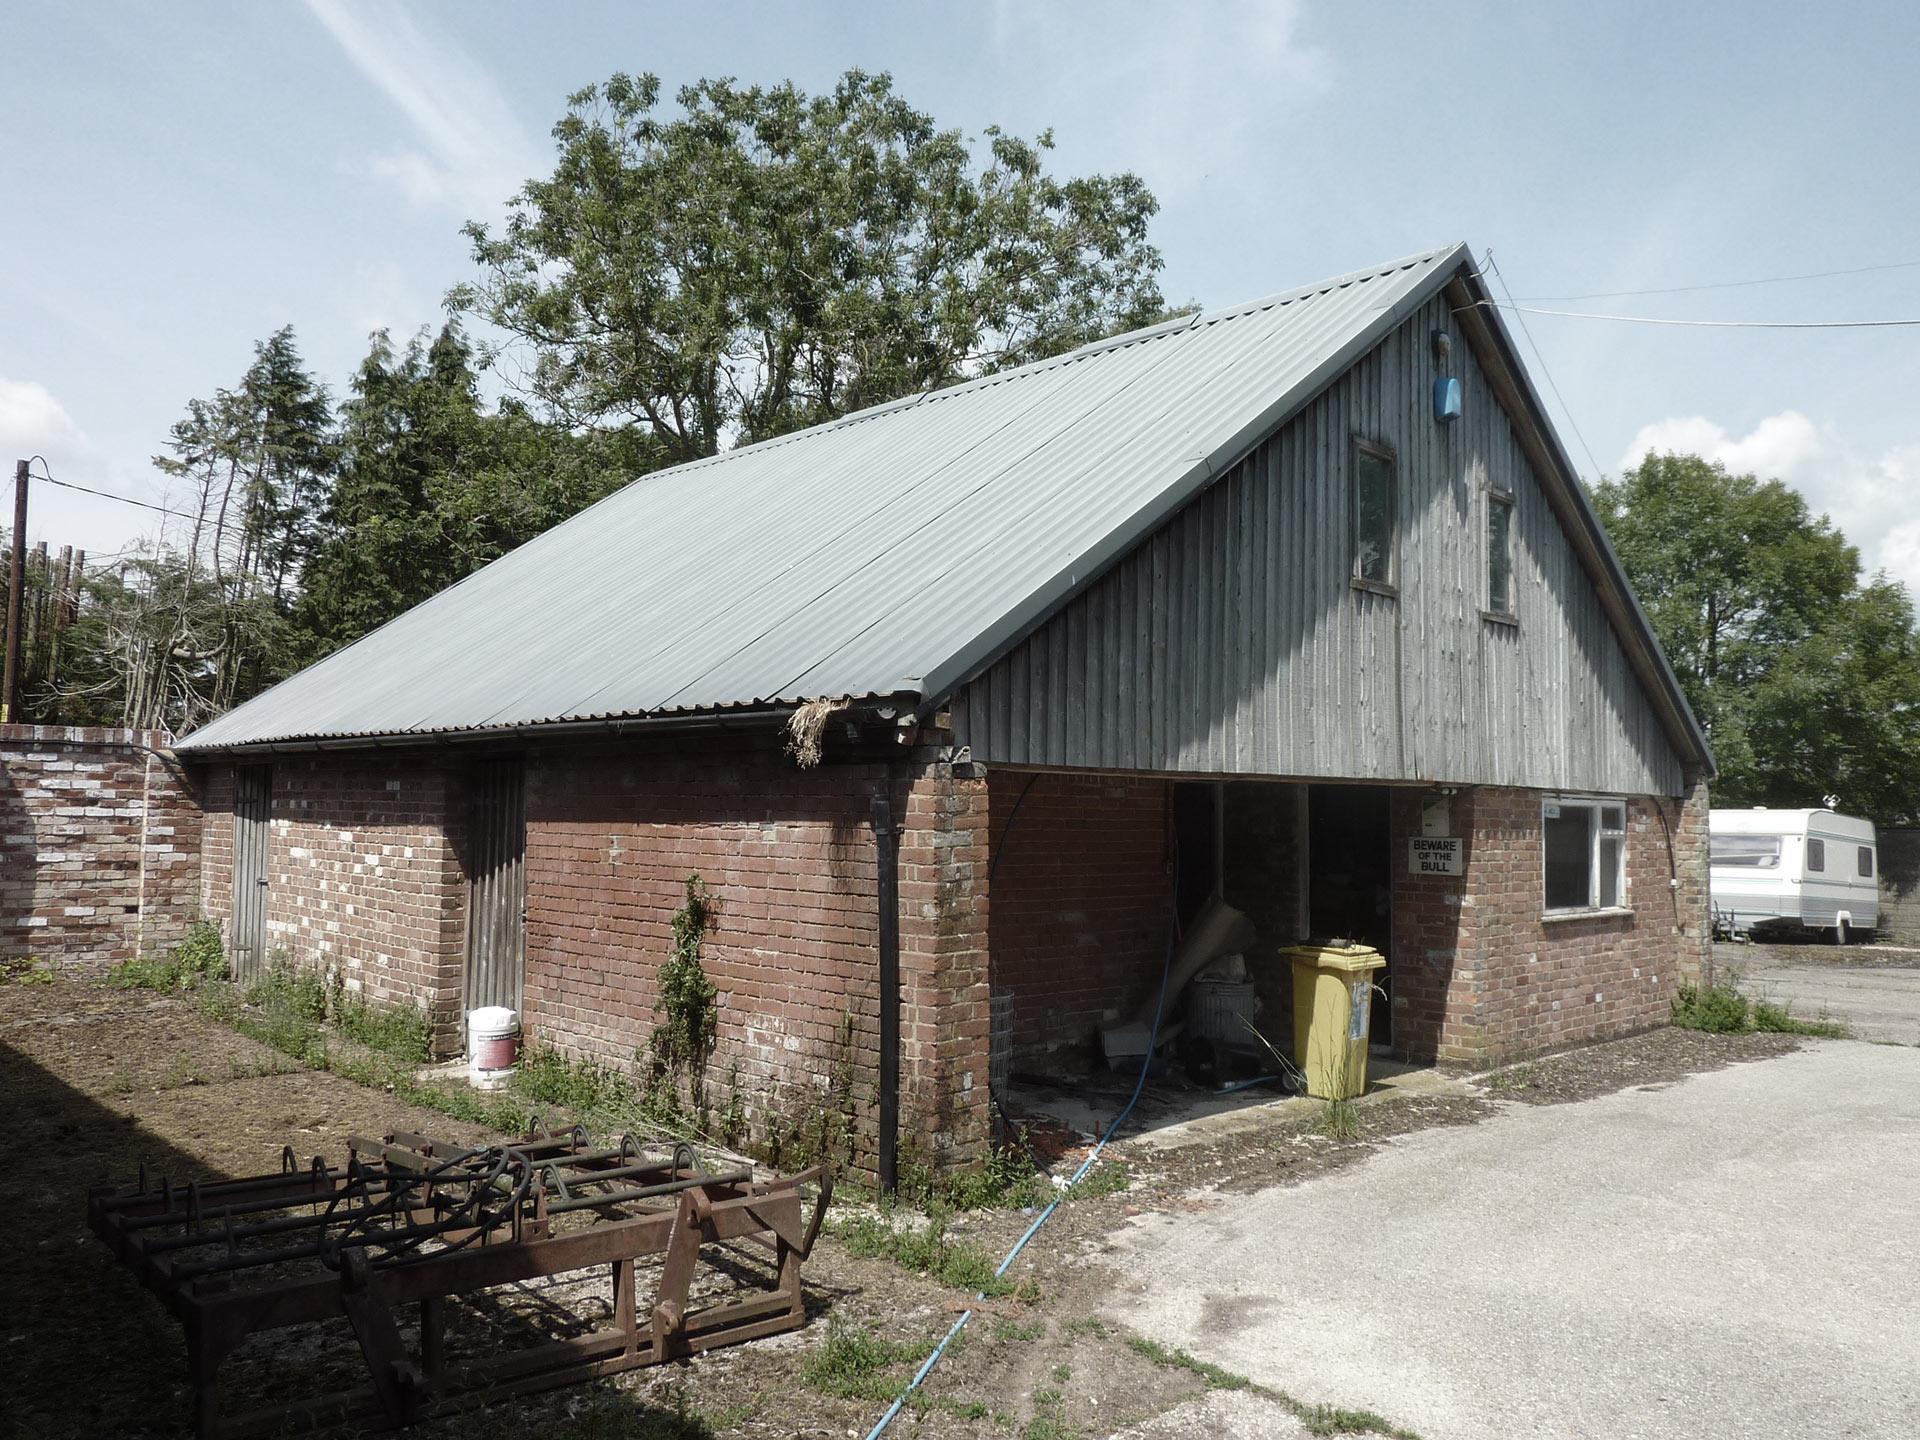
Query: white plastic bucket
x=493 y=1040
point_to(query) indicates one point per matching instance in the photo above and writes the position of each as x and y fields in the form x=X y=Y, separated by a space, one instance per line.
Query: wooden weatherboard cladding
x=1232 y=641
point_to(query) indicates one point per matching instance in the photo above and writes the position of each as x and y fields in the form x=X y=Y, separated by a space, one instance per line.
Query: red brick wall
x=99 y=845
x=613 y=834
x=364 y=875
x=944 y=965
x=1264 y=828
x=789 y=857
x=1079 y=919
x=1481 y=976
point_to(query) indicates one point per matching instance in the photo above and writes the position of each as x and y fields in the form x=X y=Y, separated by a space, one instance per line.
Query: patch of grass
x=926 y=1249
x=1717 y=1010
x=199 y=957
x=1334 y=1420
x=581 y=1086
x=858 y=1363
x=1216 y=1378
x=26 y=970
x=1774 y=1019
x=1062 y=1374
x=1338 y=1120
x=402 y=1031
x=1006 y=1180
x=1723 y=1010
x=1110 y=1178
x=921 y=1403
x=1012 y=1332
x=1511 y=1080
x=1085 y=1325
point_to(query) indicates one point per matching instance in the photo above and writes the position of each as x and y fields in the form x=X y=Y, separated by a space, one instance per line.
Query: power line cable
x=1565 y=408
x=1724 y=284
x=1703 y=324
x=47 y=475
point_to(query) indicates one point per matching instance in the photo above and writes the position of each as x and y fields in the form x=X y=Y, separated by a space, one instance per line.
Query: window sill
x=1374 y=587
x=1500 y=618
x=1599 y=912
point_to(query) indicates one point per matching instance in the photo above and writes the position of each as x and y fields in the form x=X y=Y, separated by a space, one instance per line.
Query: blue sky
x=181 y=180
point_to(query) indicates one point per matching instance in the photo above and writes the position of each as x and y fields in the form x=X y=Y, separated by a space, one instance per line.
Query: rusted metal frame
x=218 y=1316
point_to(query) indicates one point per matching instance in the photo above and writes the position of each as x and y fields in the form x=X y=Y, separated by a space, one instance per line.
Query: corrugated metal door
x=252 y=809
x=497 y=914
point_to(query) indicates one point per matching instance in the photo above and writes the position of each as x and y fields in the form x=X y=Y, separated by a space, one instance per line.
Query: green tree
x=431 y=486
x=766 y=260
x=197 y=620
x=1806 y=681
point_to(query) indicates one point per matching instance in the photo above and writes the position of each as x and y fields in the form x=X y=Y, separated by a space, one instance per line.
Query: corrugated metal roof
x=896 y=550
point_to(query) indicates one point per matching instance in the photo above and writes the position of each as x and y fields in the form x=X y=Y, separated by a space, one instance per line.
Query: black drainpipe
x=889 y=900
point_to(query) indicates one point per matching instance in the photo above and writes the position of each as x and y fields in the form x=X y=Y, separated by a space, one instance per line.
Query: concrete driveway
x=1874 y=990
x=1733 y=1255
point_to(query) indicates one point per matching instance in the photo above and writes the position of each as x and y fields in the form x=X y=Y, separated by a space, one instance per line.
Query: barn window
x=1500 y=554
x=1816 y=855
x=1374 y=519
x=1586 y=853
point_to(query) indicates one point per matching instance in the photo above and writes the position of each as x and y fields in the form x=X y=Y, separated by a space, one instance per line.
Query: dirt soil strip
x=98 y=1080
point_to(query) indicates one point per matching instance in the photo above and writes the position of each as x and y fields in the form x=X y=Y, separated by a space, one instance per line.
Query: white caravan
x=1806 y=867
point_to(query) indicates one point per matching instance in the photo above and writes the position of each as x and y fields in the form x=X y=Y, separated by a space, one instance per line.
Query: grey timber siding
x=1232 y=642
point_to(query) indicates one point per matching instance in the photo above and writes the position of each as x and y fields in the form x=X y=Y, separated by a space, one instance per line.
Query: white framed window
x=1500 y=603
x=1376 y=519
x=1816 y=856
x=1863 y=861
x=1584 y=840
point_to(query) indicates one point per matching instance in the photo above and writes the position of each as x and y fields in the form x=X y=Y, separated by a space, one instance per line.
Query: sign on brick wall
x=1436 y=855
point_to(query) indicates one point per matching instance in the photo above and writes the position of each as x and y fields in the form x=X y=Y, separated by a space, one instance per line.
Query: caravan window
x=1759 y=852
x=1866 y=862
x=1816 y=855
x=1586 y=849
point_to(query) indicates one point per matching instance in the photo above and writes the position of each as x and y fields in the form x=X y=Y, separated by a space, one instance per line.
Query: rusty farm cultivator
x=409 y=1224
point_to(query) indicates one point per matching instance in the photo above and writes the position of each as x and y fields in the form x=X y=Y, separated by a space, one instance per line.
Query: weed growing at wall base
x=200 y=956
x=1723 y=1010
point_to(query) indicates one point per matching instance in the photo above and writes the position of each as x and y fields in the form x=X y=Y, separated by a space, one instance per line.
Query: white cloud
x=33 y=422
x=1871 y=498
x=1181 y=88
x=472 y=153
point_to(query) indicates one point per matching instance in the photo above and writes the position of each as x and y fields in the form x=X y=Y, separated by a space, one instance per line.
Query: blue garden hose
x=926 y=1367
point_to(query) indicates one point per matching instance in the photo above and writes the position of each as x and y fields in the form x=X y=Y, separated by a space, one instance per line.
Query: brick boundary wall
x=100 y=849
x=1482 y=978
x=1899 y=886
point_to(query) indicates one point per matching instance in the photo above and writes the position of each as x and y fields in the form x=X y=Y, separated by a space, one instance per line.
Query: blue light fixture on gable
x=1446 y=390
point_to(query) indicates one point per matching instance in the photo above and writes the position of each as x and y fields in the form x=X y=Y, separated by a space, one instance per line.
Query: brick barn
x=1243 y=603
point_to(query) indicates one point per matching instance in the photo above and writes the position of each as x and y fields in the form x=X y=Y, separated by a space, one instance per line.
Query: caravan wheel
x=1840 y=931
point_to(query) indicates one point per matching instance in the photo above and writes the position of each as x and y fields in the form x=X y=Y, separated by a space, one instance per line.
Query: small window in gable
x=1816 y=856
x=1374 y=517
x=1499 y=553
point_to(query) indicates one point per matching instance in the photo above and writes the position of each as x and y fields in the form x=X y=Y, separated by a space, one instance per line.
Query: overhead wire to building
x=1552 y=384
x=1703 y=324
x=46 y=474
x=1719 y=284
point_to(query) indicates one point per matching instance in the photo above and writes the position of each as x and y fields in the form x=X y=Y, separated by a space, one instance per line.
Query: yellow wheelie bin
x=1332 y=1000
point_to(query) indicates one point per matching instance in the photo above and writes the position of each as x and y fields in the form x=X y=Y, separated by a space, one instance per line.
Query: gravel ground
x=1874 y=990
x=99 y=1080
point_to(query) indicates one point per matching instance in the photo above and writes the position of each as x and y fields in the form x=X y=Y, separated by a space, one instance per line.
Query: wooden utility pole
x=16 y=595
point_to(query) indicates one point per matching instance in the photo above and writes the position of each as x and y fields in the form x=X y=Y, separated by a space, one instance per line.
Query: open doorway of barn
x=1093 y=877
x=1350 y=881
